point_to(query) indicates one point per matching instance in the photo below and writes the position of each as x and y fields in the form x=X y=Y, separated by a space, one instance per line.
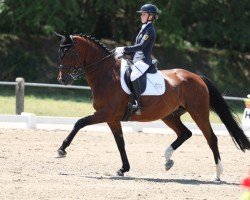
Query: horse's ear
x=68 y=38
x=58 y=35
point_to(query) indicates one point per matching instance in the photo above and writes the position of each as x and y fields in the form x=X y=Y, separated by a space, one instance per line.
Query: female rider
x=141 y=51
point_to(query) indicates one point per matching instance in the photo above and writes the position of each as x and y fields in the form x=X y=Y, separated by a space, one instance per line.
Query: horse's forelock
x=66 y=41
x=65 y=44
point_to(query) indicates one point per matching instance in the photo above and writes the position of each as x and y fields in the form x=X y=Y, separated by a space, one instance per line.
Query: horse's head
x=70 y=64
x=80 y=53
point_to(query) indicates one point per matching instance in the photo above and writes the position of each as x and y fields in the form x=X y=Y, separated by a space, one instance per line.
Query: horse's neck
x=105 y=71
x=107 y=74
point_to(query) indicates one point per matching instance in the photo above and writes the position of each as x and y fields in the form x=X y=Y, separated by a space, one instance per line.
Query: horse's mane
x=93 y=39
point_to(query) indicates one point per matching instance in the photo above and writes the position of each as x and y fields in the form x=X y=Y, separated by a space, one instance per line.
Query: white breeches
x=138 y=69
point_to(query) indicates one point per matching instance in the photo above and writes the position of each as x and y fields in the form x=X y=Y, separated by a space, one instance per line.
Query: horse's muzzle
x=65 y=80
x=60 y=80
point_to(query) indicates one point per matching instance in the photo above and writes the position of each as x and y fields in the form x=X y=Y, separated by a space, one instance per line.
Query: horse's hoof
x=216 y=180
x=60 y=154
x=169 y=164
x=119 y=173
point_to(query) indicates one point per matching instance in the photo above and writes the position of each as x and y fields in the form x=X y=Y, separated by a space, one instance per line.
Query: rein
x=77 y=71
x=98 y=61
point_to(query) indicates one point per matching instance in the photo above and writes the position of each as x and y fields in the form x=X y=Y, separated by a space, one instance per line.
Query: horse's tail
x=219 y=105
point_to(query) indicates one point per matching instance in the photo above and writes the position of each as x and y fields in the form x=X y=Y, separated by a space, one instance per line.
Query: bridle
x=74 y=70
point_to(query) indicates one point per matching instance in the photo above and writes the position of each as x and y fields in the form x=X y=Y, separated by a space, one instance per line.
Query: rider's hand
x=119 y=52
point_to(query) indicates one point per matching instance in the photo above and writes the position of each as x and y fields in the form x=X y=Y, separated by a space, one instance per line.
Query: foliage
x=205 y=36
x=209 y=23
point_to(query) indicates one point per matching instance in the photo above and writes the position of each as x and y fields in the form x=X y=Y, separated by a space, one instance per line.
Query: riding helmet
x=149 y=8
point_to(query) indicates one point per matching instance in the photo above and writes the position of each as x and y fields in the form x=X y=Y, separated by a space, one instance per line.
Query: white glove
x=119 y=52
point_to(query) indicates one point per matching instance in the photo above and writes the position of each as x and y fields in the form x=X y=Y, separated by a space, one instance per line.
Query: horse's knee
x=77 y=126
x=80 y=124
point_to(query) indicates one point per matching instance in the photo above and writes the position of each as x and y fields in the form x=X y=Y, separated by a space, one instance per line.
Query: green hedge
x=223 y=24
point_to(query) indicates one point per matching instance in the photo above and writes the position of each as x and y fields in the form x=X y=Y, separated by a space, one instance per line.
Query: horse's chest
x=100 y=100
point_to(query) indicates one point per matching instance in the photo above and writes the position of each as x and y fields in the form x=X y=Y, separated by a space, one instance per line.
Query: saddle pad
x=155 y=82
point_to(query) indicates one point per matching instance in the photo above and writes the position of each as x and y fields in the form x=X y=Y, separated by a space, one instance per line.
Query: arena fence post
x=19 y=95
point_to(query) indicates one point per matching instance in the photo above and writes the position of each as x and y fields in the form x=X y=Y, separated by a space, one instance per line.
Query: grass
x=51 y=107
x=49 y=102
x=71 y=103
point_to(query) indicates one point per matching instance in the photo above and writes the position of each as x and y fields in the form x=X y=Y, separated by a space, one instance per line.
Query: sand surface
x=28 y=169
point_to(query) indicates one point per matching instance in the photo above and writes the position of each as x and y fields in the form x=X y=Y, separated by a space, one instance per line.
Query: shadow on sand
x=155 y=180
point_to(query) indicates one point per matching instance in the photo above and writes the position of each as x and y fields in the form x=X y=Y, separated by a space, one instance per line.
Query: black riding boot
x=137 y=94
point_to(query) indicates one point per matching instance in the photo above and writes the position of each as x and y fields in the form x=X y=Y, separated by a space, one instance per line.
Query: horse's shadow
x=157 y=180
x=163 y=180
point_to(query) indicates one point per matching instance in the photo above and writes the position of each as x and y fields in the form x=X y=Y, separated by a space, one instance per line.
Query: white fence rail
x=31 y=121
x=47 y=85
x=20 y=88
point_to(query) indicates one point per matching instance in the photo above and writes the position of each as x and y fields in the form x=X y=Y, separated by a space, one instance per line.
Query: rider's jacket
x=142 y=49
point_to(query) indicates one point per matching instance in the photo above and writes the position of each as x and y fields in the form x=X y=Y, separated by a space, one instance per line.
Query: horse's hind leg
x=201 y=118
x=174 y=122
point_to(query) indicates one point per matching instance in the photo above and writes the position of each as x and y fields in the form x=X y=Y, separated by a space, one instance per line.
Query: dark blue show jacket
x=142 y=49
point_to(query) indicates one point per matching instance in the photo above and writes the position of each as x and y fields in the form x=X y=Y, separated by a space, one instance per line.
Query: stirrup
x=136 y=108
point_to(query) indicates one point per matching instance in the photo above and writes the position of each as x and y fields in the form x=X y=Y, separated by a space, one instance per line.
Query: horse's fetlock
x=65 y=144
x=126 y=167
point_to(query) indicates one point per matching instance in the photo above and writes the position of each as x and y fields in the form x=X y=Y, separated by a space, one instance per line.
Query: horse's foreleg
x=89 y=120
x=118 y=135
x=183 y=134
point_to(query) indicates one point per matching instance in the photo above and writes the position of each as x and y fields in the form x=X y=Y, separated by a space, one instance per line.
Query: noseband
x=77 y=71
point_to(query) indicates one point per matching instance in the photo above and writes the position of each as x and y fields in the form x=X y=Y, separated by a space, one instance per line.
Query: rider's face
x=144 y=17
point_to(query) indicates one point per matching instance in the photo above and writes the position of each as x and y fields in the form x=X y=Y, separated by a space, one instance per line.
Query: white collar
x=144 y=25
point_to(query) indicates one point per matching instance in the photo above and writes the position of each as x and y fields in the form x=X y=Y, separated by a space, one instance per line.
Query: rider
x=142 y=49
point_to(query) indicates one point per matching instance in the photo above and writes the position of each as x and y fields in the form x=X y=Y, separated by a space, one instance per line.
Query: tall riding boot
x=137 y=94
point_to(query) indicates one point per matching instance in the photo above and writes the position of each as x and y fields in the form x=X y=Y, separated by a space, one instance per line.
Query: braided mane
x=89 y=37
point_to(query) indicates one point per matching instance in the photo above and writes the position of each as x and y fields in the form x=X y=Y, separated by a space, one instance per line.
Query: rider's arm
x=138 y=47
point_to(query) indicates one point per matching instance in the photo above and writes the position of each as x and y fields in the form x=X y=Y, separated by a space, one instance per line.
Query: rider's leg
x=137 y=95
x=137 y=70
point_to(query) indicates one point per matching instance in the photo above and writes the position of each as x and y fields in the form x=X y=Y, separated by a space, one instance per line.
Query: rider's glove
x=119 y=52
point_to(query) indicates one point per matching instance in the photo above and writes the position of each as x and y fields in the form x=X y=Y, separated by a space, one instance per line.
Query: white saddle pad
x=155 y=82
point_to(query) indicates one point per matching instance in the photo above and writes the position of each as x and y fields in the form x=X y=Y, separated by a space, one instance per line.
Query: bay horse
x=185 y=92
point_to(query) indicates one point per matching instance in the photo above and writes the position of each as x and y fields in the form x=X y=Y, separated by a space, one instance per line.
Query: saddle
x=143 y=78
x=152 y=83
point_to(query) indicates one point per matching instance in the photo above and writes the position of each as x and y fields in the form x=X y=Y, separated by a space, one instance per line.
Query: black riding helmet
x=151 y=9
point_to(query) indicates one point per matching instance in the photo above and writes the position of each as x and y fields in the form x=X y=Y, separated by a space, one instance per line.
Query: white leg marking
x=168 y=153
x=219 y=170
